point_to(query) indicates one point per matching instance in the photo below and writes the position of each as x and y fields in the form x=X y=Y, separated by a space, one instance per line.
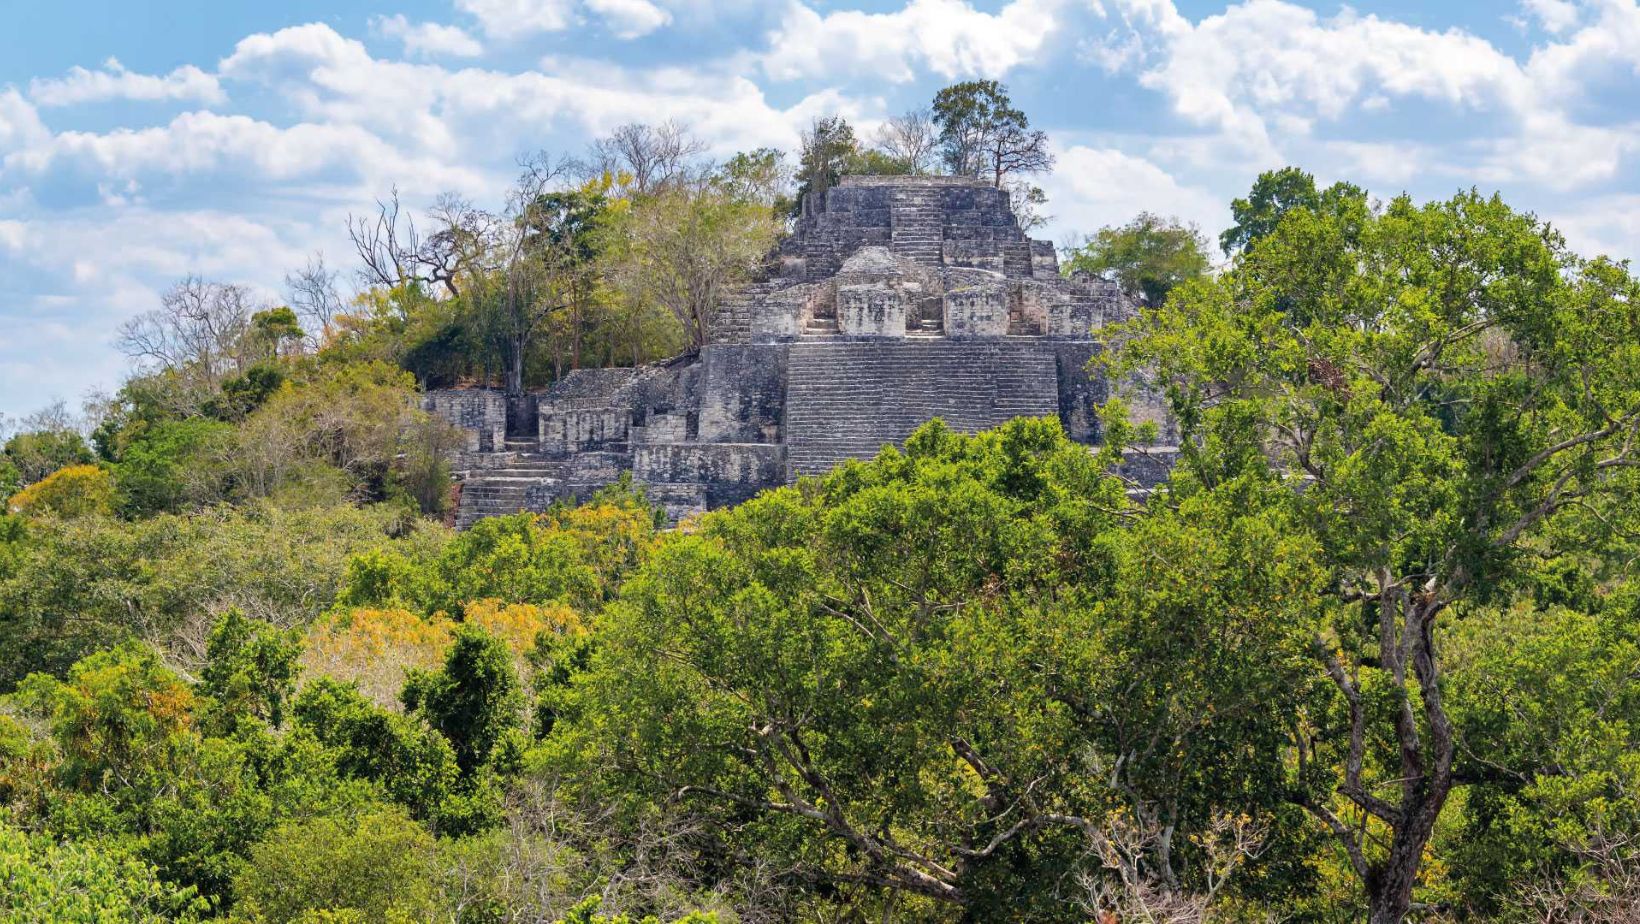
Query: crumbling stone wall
x=480 y=413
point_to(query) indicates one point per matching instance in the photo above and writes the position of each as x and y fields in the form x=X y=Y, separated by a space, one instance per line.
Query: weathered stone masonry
x=901 y=299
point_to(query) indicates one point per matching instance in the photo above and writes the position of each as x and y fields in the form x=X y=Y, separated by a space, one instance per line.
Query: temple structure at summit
x=895 y=300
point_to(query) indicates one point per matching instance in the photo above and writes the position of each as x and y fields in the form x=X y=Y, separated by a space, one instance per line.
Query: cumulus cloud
x=946 y=37
x=196 y=142
x=512 y=19
x=428 y=39
x=113 y=82
x=1268 y=62
x=20 y=125
x=630 y=18
x=508 y=19
x=1554 y=15
x=1093 y=187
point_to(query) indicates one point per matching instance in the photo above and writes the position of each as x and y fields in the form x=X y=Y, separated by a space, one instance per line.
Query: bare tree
x=312 y=293
x=1127 y=887
x=393 y=253
x=911 y=139
x=653 y=155
x=199 y=331
x=1605 y=889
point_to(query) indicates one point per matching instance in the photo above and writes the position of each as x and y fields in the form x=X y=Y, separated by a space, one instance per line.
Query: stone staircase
x=732 y=321
x=519 y=485
x=917 y=223
x=1016 y=260
x=847 y=399
x=533 y=480
x=820 y=327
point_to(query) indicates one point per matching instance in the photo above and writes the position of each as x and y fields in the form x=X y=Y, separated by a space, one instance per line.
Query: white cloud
x=1094 y=187
x=428 y=39
x=513 y=19
x=200 y=141
x=948 y=37
x=11 y=235
x=508 y=19
x=1554 y=15
x=1267 y=61
x=20 y=125
x=630 y=18
x=114 y=82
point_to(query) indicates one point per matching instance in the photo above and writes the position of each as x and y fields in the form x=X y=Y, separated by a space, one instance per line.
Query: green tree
x=587 y=913
x=120 y=719
x=242 y=394
x=1149 y=257
x=1448 y=391
x=250 y=668
x=273 y=328
x=378 y=865
x=1274 y=194
x=172 y=465
x=982 y=133
x=414 y=765
x=475 y=701
x=915 y=681
x=84 y=884
x=37 y=453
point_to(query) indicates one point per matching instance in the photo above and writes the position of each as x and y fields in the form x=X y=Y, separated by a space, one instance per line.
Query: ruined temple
x=895 y=300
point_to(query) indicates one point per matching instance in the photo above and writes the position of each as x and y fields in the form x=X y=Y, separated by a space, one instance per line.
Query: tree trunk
x=515 y=366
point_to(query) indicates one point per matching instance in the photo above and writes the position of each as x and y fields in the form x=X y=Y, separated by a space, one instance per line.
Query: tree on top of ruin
x=982 y=133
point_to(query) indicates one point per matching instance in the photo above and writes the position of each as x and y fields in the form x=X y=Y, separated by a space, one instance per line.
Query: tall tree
x=1149 y=257
x=983 y=134
x=683 y=247
x=199 y=334
x=1274 y=194
x=1451 y=395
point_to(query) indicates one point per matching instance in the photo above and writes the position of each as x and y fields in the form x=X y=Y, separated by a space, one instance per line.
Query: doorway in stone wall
x=522 y=416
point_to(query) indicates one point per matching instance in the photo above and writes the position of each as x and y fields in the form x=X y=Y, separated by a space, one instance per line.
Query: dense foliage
x=1369 y=653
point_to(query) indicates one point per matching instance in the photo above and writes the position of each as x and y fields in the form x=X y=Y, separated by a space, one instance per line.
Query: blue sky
x=140 y=142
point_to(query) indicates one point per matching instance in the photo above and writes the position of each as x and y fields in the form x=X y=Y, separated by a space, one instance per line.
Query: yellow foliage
x=77 y=490
x=518 y=624
x=376 y=648
x=614 y=537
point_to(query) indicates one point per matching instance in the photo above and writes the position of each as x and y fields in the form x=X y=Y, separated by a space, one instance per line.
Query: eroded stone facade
x=896 y=300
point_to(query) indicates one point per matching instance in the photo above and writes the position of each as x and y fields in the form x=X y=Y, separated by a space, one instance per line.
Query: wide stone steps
x=847 y=399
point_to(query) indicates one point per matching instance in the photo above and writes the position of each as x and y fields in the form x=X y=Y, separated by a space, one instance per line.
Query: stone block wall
x=759 y=464
x=567 y=430
x=742 y=393
x=480 y=413
x=847 y=399
x=871 y=310
x=977 y=311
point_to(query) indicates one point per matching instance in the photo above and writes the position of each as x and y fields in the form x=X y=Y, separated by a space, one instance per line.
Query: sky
x=143 y=142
